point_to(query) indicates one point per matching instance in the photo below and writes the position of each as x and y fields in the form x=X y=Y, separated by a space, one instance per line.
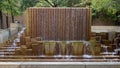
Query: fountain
x=58 y=38
x=56 y=50
x=35 y=48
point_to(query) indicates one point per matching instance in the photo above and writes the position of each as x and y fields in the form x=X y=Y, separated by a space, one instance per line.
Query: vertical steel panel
x=59 y=23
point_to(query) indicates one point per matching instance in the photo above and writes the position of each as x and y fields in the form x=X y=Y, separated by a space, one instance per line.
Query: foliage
x=27 y=3
x=84 y=3
x=1 y=4
x=105 y=9
x=57 y=3
x=10 y=7
x=43 y=3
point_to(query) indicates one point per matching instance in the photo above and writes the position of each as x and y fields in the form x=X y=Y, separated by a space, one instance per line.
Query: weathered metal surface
x=59 y=23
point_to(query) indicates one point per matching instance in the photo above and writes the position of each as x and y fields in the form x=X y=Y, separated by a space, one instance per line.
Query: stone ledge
x=105 y=28
x=60 y=64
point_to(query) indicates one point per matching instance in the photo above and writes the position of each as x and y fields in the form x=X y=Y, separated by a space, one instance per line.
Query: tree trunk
x=49 y=3
x=1 y=20
x=12 y=19
x=11 y=11
x=7 y=22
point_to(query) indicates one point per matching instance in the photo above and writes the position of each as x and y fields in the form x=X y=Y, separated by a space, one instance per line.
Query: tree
x=5 y=9
x=57 y=3
x=1 y=17
x=114 y=11
x=106 y=9
x=14 y=8
x=9 y=7
x=27 y=3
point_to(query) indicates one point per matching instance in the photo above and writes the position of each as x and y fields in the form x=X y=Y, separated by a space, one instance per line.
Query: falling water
x=107 y=53
x=14 y=45
x=68 y=50
x=59 y=50
x=87 y=52
x=18 y=36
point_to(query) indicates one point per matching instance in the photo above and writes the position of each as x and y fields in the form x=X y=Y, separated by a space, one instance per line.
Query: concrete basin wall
x=59 y=64
x=5 y=33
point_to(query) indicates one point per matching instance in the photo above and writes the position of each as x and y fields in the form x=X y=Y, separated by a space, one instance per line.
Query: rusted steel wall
x=59 y=23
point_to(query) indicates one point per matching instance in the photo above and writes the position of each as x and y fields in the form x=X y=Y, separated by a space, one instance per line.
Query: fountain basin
x=60 y=64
